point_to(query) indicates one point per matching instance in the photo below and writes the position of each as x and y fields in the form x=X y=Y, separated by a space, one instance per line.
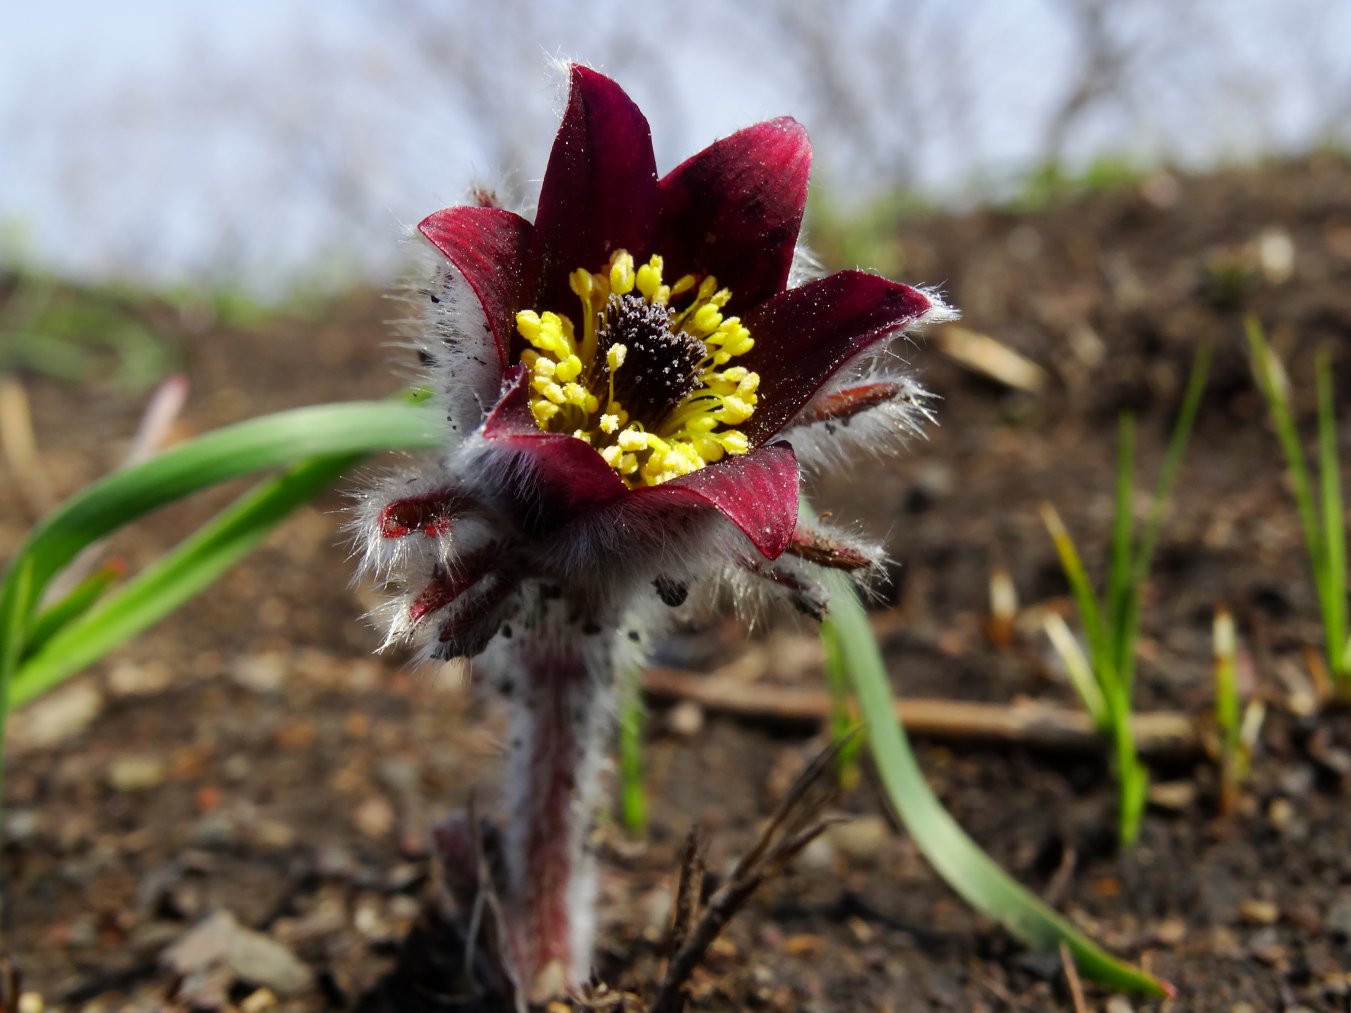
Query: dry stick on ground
x=1072 y=979
x=794 y=825
x=1158 y=735
x=20 y=448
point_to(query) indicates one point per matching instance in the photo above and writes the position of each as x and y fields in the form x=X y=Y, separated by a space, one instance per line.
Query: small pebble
x=130 y=679
x=686 y=719
x=136 y=773
x=1171 y=931
x=1338 y=920
x=859 y=839
x=56 y=717
x=258 y=1002
x=1174 y=796
x=260 y=673
x=374 y=817
x=1259 y=912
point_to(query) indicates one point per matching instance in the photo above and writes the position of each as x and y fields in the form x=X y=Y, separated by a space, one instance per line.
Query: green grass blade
x=1120 y=587
x=1172 y=459
x=1079 y=670
x=260 y=444
x=1334 y=532
x=843 y=712
x=961 y=863
x=179 y=575
x=1073 y=565
x=81 y=598
x=1270 y=382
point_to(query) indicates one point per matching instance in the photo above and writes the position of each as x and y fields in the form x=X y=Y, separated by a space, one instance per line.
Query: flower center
x=645 y=378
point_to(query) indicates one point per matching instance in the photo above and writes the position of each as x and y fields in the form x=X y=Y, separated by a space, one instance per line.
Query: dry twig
x=1158 y=734
x=795 y=824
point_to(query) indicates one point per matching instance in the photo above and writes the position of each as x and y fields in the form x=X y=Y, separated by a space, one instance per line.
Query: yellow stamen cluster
x=572 y=392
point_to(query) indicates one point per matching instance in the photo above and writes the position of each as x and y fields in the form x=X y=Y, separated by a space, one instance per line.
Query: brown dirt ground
x=249 y=755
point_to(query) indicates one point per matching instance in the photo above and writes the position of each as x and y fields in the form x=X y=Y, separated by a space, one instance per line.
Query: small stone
x=1171 y=931
x=860 y=838
x=1119 y=1004
x=136 y=773
x=1338 y=920
x=1173 y=795
x=686 y=719
x=57 y=716
x=129 y=679
x=221 y=943
x=1265 y=945
x=1276 y=255
x=1280 y=813
x=205 y=944
x=1259 y=912
x=260 y=673
x=1297 y=780
x=271 y=835
x=215 y=829
x=258 y=1002
x=370 y=921
x=31 y=1002
x=375 y=817
x=21 y=825
x=262 y=961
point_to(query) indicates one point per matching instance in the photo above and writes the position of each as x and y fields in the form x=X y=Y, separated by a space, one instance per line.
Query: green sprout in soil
x=1105 y=678
x=1321 y=513
x=1238 y=725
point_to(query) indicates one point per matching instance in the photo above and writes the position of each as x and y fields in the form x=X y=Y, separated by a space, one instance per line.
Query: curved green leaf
x=954 y=855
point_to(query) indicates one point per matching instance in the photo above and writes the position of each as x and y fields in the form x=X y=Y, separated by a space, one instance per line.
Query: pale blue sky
x=256 y=139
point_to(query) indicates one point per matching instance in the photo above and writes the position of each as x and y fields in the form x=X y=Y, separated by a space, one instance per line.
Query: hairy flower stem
x=559 y=683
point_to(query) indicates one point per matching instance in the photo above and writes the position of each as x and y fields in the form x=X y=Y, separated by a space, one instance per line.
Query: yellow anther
x=553 y=392
x=609 y=423
x=569 y=369
x=735 y=442
x=631 y=440
x=614 y=358
x=527 y=322
x=649 y=278
x=580 y=282
x=622 y=277
x=706 y=318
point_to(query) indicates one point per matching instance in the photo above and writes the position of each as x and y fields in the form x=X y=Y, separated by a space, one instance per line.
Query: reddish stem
x=559 y=715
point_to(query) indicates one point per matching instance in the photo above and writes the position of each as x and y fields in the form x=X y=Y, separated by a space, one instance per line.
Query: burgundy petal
x=758 y=493
x=600 y=187
x=488 y=246
x=734 y=210
x=804 y=335
x=574 y=476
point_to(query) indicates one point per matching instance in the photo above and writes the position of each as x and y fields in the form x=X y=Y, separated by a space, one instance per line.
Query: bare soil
x=251 y=756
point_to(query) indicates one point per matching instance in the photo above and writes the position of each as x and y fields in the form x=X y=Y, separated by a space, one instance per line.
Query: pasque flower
x=632 y=384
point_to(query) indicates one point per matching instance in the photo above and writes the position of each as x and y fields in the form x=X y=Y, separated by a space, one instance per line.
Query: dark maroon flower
x=631 y=383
